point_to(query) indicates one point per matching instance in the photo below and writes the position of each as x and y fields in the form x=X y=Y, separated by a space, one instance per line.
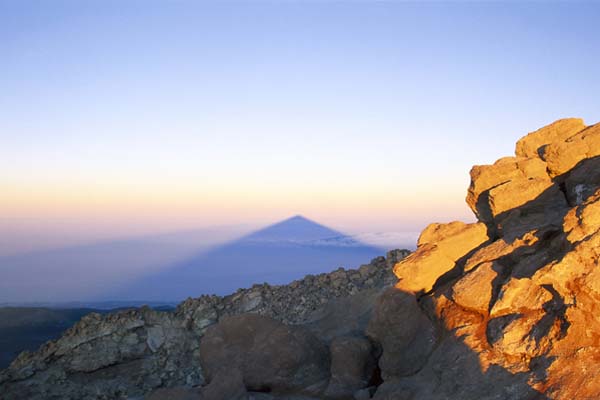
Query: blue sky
x=142 y=116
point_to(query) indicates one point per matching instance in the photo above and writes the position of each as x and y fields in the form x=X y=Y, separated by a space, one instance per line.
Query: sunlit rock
x=437 y=254
x=534 y=144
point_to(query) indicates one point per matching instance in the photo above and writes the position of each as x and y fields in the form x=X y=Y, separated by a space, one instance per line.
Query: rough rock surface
x=353 y=366
x=269 y=355
x=440 y=247
x=405 y=334
x=130 y=353
x=516 y=314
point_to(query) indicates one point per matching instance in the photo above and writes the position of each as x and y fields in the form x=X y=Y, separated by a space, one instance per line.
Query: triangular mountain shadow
x=277 y=254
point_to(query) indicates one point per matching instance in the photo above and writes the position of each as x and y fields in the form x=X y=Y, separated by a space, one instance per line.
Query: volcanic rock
x=440 y=247
x=534 y=144
x=516 y=316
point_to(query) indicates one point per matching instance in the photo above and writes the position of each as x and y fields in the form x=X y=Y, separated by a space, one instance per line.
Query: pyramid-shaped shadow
x=277 y=254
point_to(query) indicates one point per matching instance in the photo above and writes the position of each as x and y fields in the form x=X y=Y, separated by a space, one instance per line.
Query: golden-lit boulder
x=440 y=247
x=508 y=170
x=563 y=156
x=533 y=144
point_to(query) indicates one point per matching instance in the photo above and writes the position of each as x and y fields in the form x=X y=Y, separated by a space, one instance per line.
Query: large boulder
x=405 y=334
x=534 y=144
x=563 y=155
x=271 y=356
x=353 y=366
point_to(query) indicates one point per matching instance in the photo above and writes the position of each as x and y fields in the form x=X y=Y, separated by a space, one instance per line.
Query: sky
x=123 y=118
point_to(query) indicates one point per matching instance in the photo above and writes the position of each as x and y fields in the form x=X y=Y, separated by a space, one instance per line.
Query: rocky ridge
x=129 y=353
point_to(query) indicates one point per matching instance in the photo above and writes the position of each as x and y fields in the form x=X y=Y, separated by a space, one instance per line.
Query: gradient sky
x=126 y=117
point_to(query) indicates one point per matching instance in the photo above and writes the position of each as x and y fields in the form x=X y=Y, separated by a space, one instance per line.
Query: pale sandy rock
x=513 y=334
x=572 y=272
x=516 y=193
x=503 y=247
x=527 y=203
x=435 y=232
x=532 y=145
x=519 y=295
x=474 y=290
x=419 y=271
x=583 y=220
x=563 y=156
x=486 y=177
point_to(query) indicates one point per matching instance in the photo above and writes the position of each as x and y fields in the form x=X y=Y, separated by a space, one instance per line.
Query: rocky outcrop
x=512 y=311
x=130 y=353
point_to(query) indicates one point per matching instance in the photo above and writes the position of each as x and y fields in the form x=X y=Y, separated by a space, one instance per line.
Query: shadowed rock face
x=520 y=301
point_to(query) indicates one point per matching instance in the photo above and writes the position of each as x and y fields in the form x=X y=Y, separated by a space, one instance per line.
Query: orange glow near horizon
x=227 y=204
x=54 y=214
